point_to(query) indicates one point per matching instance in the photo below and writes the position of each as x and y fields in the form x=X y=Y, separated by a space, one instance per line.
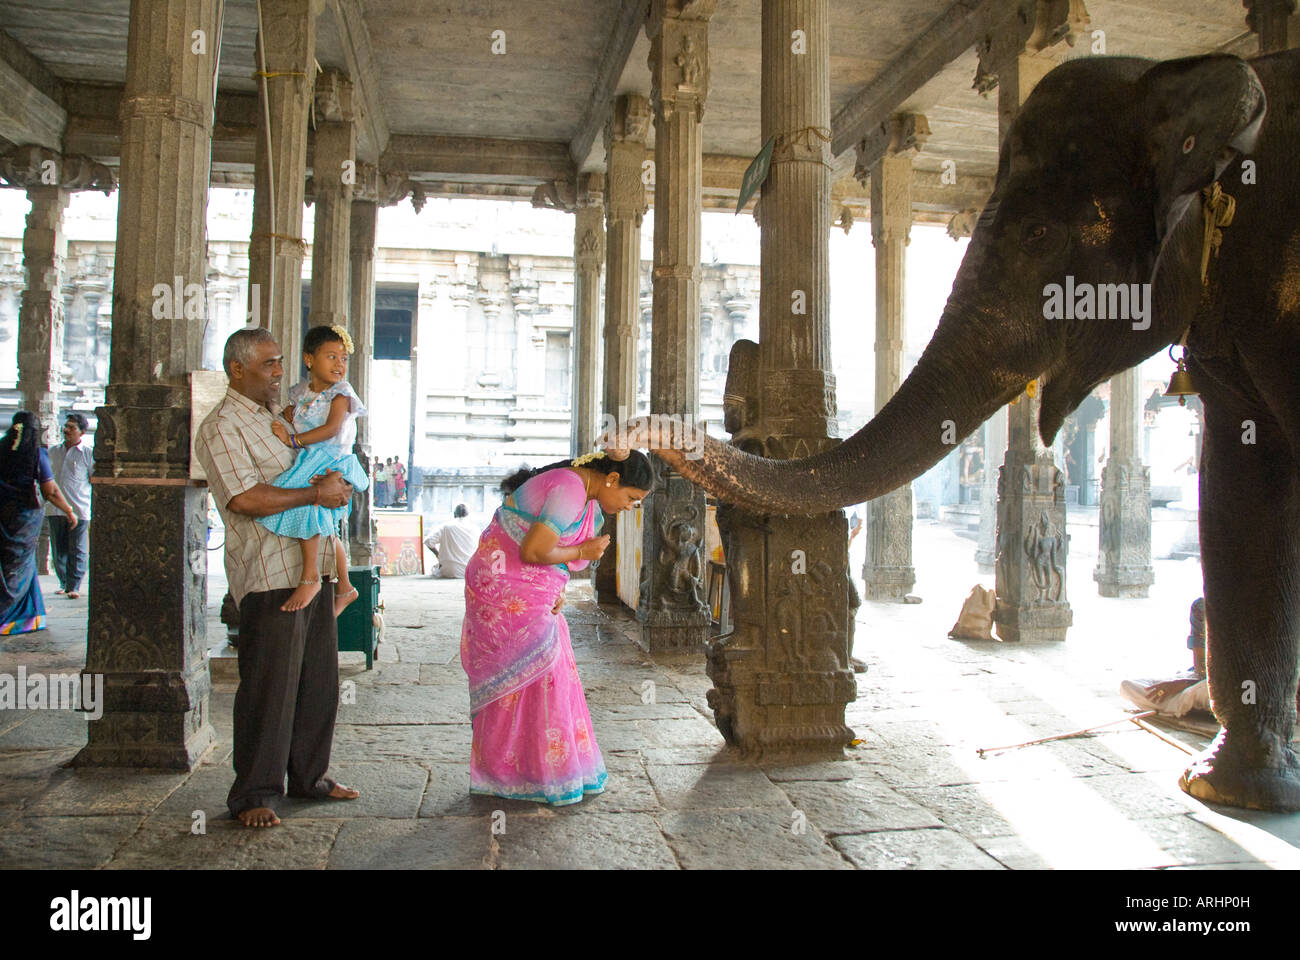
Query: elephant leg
x=1250 y=528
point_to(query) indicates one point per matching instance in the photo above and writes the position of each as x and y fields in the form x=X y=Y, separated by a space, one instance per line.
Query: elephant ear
x=1198 y=114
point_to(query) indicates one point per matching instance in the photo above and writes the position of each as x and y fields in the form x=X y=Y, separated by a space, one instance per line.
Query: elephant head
x=1097 y=189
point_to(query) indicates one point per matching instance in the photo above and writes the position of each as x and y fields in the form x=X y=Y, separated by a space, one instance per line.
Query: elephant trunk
x=976 y=363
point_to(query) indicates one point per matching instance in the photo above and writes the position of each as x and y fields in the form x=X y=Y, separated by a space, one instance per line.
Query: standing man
x=381 y=483
x=288 y=693
x=71 y=463
x=454 y=544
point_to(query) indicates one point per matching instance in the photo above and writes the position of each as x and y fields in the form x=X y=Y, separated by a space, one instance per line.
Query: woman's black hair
x=636 y=471
x=319 y=335
x=18 y=448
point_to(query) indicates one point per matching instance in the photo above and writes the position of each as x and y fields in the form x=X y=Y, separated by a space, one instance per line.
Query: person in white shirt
x=454 y=544
x=72 y=464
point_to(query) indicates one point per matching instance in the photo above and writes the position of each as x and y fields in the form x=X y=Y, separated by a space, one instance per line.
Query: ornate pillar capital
x=29 y=165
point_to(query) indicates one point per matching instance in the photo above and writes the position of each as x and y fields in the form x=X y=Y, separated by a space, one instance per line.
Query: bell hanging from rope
x=1180 y=384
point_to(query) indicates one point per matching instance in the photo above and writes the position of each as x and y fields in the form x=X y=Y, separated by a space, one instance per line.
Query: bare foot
x=302 y=596
x=60 y=590
x=343 y=599
x=341 y=792
x=72 y=595
x=259 y=817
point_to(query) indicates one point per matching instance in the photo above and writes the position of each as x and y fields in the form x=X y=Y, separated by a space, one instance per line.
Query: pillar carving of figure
x=1031 y=544
x=287 y=39
x=888 y=570
x=671 y=606
x=155 y=667
x=588 y=256
x=333 y=175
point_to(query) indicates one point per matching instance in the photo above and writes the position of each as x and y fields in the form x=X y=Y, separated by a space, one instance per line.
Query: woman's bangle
x=293 y=440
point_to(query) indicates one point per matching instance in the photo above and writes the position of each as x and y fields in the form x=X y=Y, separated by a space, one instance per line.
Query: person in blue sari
x=25 y=478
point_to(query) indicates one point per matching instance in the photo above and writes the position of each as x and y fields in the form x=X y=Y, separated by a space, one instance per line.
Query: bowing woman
x=532 y=730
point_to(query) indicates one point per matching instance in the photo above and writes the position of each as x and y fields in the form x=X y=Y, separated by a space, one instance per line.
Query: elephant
x=1100 y=181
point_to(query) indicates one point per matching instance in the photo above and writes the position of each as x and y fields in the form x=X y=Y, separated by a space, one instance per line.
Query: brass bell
x=1180 y=384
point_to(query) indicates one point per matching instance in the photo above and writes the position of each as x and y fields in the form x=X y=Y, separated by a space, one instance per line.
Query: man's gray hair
x=239 y=348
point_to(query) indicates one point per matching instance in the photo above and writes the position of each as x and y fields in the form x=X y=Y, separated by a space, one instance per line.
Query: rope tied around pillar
x=302 y=244
x=783 y=150
x=279 y=73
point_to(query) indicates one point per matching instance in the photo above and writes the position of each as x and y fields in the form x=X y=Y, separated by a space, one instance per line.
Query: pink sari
x=532 y=730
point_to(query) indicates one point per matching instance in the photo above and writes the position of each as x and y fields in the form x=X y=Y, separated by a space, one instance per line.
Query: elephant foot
x=1257 y=770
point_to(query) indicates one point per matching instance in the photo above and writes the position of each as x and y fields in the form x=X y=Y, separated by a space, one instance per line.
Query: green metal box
x=357 y=629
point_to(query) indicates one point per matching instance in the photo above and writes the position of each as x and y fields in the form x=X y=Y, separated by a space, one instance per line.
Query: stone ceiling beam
x=484 y=158
x=949 y=36
x=372 y=127
x=587 y=147
x=30 y=111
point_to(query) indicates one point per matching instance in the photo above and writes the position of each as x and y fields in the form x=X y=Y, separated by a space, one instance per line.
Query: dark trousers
x=68 y=543
x=287 y=699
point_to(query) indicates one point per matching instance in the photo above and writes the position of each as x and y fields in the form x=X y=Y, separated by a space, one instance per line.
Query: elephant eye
x=1038 y=237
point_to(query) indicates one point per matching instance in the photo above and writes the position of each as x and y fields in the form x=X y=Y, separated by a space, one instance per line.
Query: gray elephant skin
x=1099 y=182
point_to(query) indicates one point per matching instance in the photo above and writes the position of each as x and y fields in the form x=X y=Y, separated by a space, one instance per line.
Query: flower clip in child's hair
x=345 y=337
x=587 y=458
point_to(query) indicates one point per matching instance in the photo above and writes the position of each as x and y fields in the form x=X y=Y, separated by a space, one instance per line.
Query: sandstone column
x=588 y=255
x=40 y=311
x=148 y=593
x=625 y=205
x=888 y=568
x=1276 y=23
x=288 y=41
x=334 y=171
x=1031 y=544
x=671 y=604
x=781 y=680
x=1124 y=553
x=361 y=229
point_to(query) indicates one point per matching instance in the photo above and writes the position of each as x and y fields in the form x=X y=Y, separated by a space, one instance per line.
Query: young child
x=323 y=410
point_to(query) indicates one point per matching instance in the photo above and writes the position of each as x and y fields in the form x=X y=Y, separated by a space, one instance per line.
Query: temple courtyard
x=913 y=793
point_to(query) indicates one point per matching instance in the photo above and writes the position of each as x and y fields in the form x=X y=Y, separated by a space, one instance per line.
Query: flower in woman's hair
x=587 y=458
x=344 y=337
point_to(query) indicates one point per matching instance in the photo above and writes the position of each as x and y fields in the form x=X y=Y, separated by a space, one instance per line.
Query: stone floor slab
x=63 y=843
x=170 y=843
x=730 y=787
x=409 y=741
x=436 y=843
x=860 y=805
x=914 y=850
x=593 y=841
x=91 y=792
x=743 y=839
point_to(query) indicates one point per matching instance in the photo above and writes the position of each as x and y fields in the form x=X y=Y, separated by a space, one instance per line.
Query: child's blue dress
x=311 y=410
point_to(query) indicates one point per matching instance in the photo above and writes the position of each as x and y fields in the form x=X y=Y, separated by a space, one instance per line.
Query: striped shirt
x=238 y=451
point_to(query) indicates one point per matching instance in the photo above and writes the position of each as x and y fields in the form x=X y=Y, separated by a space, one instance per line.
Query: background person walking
x=72 y=464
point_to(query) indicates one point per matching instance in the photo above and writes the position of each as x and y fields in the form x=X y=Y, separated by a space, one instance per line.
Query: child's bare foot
x=305 y=594
x=341 y=600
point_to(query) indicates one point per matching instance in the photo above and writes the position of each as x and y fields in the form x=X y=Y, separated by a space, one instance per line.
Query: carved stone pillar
x=1031 y=542
x=781 y=681
x=288 y=42
x=361 y=229
x=1124 y=552
x=671 y=604
x=995 y=448
x=888 y=568
x=40 y=314
x=148 y=594
x=588 y=255
x=334 y=172
x=625 y=205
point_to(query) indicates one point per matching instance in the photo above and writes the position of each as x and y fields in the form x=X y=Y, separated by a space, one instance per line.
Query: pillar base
x=888 y=572
x=1033 y=623
x=147 y=630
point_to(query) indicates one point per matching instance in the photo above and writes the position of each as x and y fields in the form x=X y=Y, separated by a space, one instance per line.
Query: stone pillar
x=782 y=679
x=671 y=605
x=361 y=229
x=155 y=667
x=625 y=205
x=1031 y=542
x=40 y=311
x=1124 y=552
x=288 y=41
x=995 y=448
x=888 y=568
x=1276 y=23
x=588 y=255
x=334 y=171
